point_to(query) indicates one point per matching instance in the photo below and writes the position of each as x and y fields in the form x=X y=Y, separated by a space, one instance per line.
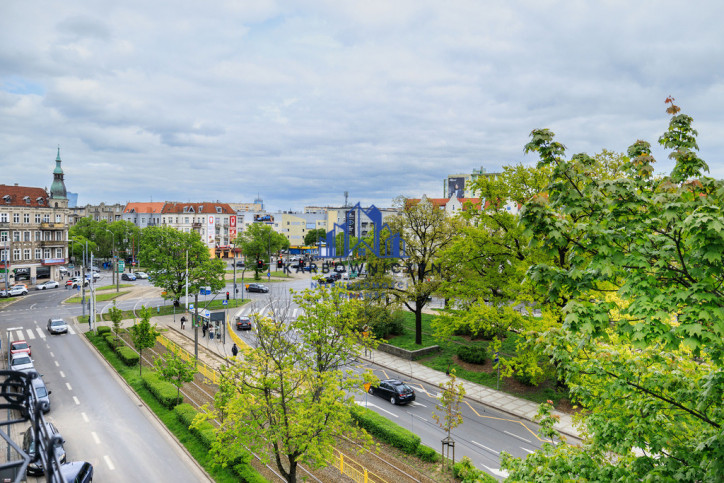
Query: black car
x=243 y=323
x=30 y=448
x=77 y=472
x=240 y=264
x=396 y=391
x=131 y=277
x=257 y=287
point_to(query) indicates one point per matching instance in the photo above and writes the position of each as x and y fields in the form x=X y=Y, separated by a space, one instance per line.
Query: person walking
x=183 y=322
x=234 y=350
x=203 y=330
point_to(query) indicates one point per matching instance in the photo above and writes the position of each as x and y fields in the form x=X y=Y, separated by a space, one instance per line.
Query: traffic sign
x=496 y=358
x=191 y=306
x=367 y=385
x=121 y=266
x=225 y=302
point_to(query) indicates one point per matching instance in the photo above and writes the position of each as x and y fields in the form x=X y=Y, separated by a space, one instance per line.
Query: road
x=101 y=420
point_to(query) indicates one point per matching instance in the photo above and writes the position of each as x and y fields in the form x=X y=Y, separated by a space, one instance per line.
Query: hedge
x=386 y=430
x=472 y=355
x=127 y=355
x=465 y=471
x=110 y=340
x=165 y=392
x=102 y=329
x=426 y=453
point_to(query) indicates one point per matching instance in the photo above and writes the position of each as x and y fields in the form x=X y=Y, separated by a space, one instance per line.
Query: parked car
x=141 y=275
x=340 y=268
x=40 y=393
x=243 y=323
x=57 y=326
x=17 y=290
x=62 y=270
x=77 y=472
x=76 y=281
x=394 y=390
x=3 y=294
x=21 y=362
x=240 y=264
x=131 y=277
x=30 y=448
x=18 y=346
x=47 y=285
x=257 y=287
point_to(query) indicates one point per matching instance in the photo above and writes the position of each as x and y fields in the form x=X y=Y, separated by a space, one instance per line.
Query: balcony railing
x=54 y=226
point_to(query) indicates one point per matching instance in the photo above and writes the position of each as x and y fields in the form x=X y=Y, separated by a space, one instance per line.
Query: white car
x=21 y=362
x=47 y=285
x=141 y=274
x=17 y=290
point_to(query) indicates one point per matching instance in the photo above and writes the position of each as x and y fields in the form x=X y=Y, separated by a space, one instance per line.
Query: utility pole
x=82 y=278
x=196 y=325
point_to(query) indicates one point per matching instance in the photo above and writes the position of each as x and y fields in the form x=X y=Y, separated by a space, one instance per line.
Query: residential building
x=100 y=212
x=295 y=226
x=33 y=230
x=460 y=185
x=215 y=222
x=143 y=214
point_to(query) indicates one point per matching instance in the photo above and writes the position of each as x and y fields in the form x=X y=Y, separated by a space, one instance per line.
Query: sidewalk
x=218 y=351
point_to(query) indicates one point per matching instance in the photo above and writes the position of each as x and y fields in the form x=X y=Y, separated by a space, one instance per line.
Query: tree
x=116 y=315
x=175 y=369
x=259 y=242
x=166 y=253
x=641 y=344
x=290 y=398
x=448 y=404
x=313 y=236
x=426 y=231
x=144 y=334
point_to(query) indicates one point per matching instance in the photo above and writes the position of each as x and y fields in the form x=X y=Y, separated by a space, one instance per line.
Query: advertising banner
x=211 y=230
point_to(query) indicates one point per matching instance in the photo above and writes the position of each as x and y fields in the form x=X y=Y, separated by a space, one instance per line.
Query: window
x=26 y=254
x=143 y=221
x=38 y=253
x=16 y=217
x=4 y=254
x=3 y=217
x=40 y=201
x=37 y=218
x=59 y=236
x=46 y=235
x=163 y=220
x=218 y=209
x=27 y=201
x=16 y=254
x=47 y=252
x=26 y=236
x=16 y=236
x=46 y=218
x=38 y=236
x=58 y=253
x=26 y=217
x=58 y=218
x=186 y=220
x=4 y=236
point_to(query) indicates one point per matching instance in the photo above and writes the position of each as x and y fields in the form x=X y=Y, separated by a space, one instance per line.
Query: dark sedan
x=257 y=287
x=243 y=323
x=394 y=390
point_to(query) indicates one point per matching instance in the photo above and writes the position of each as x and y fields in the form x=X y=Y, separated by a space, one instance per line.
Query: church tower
x=57 y=189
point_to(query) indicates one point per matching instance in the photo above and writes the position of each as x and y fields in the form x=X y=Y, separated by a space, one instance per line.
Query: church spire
x=57 y=189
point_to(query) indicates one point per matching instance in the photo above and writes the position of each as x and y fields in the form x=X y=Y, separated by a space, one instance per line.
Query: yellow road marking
x=505 y=419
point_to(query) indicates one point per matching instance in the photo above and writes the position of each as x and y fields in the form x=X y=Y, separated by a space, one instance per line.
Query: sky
x=300 y=101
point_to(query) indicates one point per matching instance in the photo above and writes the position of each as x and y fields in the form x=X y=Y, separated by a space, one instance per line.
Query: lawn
x=112 y=287
x=101 y=297
x=169 y=309
x=484 y=374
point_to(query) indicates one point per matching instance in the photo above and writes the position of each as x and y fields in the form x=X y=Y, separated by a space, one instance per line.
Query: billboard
x=211 y=230
x=232 y=228
x=456 y=186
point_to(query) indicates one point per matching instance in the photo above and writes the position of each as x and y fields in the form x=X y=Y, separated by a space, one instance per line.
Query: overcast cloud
x=300 y=101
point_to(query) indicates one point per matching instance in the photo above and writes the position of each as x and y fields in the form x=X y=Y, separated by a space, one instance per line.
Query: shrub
x=103 y=329
x=110 y=340
x=164 y=391
x=386 y=430
x=472 y=355
x=205 y=432
x=127 y=355
x=426 y=453
x=465 y=471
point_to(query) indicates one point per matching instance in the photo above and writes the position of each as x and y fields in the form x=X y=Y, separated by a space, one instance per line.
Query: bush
x=426 y=453
x=165 y=392
x=465 y=471
x=127 y=355
x=386 y=430
x=205 y=433
x=381 y=321
x=103 y=329
x=110 y=340
x=472 y=355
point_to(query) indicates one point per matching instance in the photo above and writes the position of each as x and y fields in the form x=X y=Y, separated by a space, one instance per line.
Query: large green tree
x=167 y=253
x=143 y=334
x=313 y=236
x=642 y=342
x=259 y=242
x=289 y=398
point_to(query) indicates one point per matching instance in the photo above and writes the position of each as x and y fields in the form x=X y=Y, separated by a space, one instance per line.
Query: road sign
x=225 y=302
x=191 y=306
x=367 y=385
x=496 y=358
x=121 y=266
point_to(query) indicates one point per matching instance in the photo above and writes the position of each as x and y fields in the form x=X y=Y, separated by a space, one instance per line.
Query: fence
x=349 y=467
x=209 y=373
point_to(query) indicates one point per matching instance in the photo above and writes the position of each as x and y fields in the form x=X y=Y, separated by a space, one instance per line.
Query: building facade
x=215 y=222
x=33 y=231
x=143 y=214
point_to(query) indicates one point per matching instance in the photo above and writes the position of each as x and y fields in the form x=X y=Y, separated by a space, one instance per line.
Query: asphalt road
x=100 y=419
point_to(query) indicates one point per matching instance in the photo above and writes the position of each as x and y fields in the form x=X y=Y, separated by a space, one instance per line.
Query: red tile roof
x=442 y=202
x=149 y=207
x=205 y=207
x=16 y=196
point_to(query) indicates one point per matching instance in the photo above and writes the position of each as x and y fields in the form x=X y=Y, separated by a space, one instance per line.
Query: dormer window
x=27 y=199
x=7 y=199
x=218 y=209
x=39 y=200
x=201 y=208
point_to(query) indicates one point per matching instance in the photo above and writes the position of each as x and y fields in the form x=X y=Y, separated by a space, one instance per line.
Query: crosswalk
x=34 y=333
x=267 y=311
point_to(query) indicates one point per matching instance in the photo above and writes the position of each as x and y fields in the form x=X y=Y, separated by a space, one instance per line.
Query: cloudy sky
x=300 y=101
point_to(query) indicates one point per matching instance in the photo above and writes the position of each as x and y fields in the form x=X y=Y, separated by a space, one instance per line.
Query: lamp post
x=115 y=261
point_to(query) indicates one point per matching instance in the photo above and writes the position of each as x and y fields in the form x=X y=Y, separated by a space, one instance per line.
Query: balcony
x=52 y=243
x=52 y=226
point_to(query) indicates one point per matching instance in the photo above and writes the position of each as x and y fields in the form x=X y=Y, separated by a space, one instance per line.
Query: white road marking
x=95 y=437
x=70 y=330
x=527 y=450
x=40 y=333
x=516 y=436
x=30 y=334
x=68 y=386
x=485 y=447
x=20 y=335
x=75 y=400
x=497 y=471
x=56 y=364
x=85 y=417
x=109 y=463
x=51 y=354
x=62 y=374
x=361 y=403
x=415 y=403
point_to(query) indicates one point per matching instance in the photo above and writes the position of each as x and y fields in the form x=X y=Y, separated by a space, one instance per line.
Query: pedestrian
x=234 y=350
x=203 y=330
x=211 y=333
x=183 y=322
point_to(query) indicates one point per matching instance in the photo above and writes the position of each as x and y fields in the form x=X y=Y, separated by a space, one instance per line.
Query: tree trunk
x=418 y=323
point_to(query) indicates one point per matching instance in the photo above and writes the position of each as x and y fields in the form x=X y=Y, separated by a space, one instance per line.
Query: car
x=62 y=270
x=128 y=276
x=240 y=264
x=3 y=293
x=16 y=290
x=96 y=275
x=40 y=393
x=76 y=281
x=47 y=285
x=257 y=287
x=57 y=326
x=340 y=268
x=141 y=275
x=394 y=390
x=243 y=323
x=18 y=346
x=20 y=285
x=77 y=472
x=21 y=362
x=95 y=269
x=35 y=468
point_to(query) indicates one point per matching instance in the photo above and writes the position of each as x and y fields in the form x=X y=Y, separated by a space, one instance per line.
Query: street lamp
x=115 y=261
